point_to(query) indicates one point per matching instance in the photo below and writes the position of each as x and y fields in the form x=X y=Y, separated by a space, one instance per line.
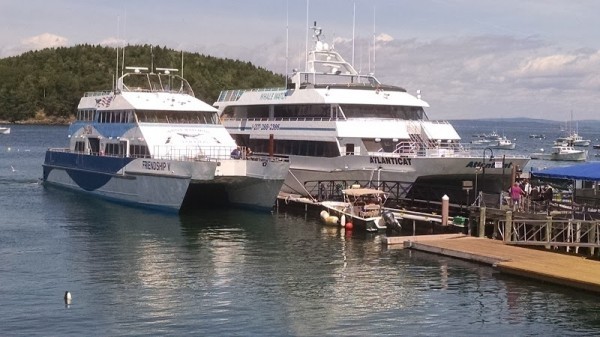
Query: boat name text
x=267 y=96
x=487 y=165
x=156 y=165
x=390 y=160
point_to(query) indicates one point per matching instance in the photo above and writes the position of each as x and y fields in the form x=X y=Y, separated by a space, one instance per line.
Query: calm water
x=238 y=273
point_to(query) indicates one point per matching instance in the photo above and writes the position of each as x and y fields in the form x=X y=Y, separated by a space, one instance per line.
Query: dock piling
x=481 y=232
x=508 y=227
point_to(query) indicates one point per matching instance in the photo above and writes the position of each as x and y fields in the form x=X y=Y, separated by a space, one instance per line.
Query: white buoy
x=332 y=220
x=68 y=297
x=343 y=220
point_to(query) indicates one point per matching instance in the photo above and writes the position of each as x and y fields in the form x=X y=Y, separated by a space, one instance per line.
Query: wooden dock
x=547 y=266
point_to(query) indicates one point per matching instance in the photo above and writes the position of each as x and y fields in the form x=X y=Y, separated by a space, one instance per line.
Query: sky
x=470 y=59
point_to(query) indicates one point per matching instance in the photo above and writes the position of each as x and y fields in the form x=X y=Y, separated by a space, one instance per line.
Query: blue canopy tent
x=589 y=172
x=582 y=193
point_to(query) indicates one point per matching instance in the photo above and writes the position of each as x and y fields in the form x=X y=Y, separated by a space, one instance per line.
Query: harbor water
x=240 y=273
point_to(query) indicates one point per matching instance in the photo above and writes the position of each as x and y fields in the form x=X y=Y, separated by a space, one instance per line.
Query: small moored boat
x=562 y=153
x=363 y=208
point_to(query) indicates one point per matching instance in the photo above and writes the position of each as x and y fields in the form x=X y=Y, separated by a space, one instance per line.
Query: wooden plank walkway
x=547 y=266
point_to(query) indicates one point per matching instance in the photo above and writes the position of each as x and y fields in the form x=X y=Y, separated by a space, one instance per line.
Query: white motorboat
x=363 y=208
x=151 y=143
x=573 y=139
x=502 y=143
x=340 y=127
x=562 y=153
x=4 y=130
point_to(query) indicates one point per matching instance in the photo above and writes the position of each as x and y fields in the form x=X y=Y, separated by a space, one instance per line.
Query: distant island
x=45 y=86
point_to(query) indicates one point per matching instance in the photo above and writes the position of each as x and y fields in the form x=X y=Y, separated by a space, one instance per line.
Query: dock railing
x=572 y=234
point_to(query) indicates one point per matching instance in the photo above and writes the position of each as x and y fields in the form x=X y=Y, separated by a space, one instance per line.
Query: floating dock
x=547 y=266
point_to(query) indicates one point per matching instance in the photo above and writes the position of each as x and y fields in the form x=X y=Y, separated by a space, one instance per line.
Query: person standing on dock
x=548 y=195
x=515 y=194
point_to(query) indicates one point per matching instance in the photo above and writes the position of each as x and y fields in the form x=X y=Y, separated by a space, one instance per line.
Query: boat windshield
x=154 y=82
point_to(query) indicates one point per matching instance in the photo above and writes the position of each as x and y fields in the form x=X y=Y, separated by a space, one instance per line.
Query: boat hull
x=307 y=173
x=157 y=184
x=252 y=184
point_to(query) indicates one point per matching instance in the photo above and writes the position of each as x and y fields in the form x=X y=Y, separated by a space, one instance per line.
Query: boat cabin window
x=177 y=117
x=349 y=149
x=324 y=111
x=85 y=115
x=384 y=145
x=114 y=149
x=290 y=147
x=303 y=111
x=383 y=111
x=139 y=151
x=79 y=146
x=115 y=116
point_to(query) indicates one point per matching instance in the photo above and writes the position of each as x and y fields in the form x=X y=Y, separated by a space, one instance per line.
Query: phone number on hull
x=265 y=127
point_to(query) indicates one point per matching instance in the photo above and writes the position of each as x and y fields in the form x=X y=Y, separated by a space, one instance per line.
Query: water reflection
x=236 y=271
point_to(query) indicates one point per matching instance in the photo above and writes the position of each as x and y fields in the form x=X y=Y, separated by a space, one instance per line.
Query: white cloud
x=383 y=37
x=113 y=42
x=45 y=40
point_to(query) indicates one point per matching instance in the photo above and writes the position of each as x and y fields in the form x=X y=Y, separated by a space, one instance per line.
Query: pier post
x=508 y=227
x=445 y=208
x=548 y=231
x=481 y=232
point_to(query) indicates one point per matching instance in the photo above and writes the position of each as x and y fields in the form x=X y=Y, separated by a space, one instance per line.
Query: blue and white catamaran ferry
x=151 y=143
x=337 y=125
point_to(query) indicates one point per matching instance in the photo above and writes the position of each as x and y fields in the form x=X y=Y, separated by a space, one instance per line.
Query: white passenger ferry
x=151 y=143
x=340 y=128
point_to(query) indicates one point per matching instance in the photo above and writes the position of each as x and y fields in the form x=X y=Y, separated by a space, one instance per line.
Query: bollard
x=508 y=227
x=481 y=233
x=445 y=207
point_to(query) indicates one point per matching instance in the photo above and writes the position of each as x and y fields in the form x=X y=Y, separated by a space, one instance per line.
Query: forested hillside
x=47 y=84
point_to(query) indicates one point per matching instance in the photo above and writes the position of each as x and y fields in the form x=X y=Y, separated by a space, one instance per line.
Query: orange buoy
x=349 y=225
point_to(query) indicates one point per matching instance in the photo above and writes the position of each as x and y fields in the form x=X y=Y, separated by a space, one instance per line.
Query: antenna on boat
x=353 y=28
x=287 y=40
x=117 y=66
x=123 y=48
x=374 y=41
x=306 y=48
x=167 y=71
x=137 y=70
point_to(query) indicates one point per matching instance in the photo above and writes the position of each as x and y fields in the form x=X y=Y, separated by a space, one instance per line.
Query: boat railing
x=459 y=150
x=97 y=93
x=211 y=153
x=215 y=153
x=281 y=119
x=335 y=78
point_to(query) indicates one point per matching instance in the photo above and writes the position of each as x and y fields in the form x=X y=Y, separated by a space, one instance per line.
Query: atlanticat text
x=390 y=160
